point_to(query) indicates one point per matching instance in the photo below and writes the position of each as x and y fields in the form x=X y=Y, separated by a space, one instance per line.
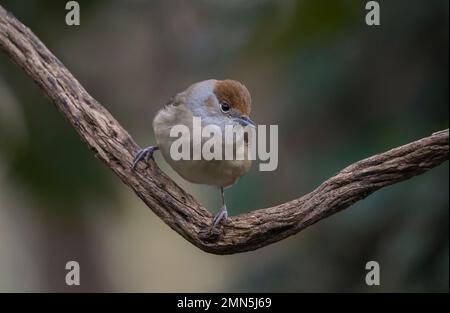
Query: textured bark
x=115 y=147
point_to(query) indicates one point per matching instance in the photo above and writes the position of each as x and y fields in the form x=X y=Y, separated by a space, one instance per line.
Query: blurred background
x=338 y=89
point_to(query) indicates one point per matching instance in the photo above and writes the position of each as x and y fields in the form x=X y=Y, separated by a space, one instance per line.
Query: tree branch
x=115 y=147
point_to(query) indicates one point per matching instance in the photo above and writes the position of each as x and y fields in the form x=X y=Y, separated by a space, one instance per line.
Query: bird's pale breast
x=208 y=172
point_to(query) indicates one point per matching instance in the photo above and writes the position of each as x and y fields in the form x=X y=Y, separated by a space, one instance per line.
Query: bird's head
x=221 y=102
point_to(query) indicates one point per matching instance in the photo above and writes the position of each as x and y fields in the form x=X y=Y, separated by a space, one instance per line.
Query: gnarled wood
x=115 y=147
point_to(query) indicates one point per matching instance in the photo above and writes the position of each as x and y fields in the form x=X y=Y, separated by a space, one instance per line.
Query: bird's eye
x=225 y=107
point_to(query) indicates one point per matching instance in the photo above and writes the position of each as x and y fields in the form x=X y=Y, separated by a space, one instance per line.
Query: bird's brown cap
x=235 y=94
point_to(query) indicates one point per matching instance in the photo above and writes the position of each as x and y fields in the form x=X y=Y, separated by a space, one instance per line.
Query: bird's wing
x=174 y=101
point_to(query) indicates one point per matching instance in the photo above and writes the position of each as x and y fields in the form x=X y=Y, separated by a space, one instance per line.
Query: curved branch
x=115 y=147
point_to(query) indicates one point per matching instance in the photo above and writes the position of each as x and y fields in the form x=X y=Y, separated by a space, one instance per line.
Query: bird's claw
x=221 y=215
x=146 y=154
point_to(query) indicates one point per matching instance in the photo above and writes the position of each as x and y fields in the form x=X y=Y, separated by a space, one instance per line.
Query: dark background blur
x=338 y=89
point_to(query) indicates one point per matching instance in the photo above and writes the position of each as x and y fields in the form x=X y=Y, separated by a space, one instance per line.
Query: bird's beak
x=245 y=121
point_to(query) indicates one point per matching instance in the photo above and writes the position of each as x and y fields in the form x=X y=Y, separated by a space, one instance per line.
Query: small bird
x=216 y=102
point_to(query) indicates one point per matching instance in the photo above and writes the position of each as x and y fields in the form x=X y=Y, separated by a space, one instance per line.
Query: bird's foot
x=221 y=215
x=144 y=154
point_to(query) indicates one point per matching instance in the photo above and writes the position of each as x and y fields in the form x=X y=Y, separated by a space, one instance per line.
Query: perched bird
x=216 y=102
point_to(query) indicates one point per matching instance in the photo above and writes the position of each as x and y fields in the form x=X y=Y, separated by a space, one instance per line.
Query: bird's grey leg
x=144 y=154
x=223 y=213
